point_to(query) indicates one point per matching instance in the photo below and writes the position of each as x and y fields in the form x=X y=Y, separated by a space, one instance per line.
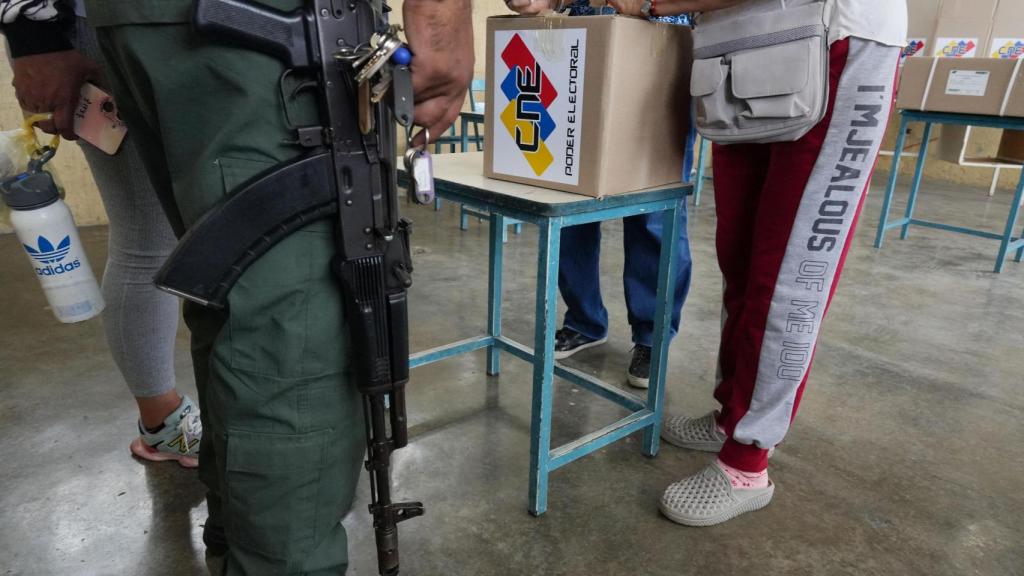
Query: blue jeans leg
x=642 y=244
x=579 y=280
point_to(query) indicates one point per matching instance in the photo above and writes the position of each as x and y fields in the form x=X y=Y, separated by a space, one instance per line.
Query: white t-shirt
x=883 y=21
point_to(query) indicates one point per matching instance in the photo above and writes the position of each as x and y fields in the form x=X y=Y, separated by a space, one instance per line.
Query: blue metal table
x=1007 y=241
x=459 y=178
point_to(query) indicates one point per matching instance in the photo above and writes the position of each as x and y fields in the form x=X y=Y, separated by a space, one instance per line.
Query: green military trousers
x=284 y=435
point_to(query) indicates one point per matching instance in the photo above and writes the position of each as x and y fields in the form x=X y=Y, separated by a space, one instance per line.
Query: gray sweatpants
x=786 y=213
x=140 y=322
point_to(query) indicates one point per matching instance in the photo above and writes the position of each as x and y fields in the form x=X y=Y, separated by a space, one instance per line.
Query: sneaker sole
x=637 y=382
x=751 y=505
x=139 y=449
x=567 y=353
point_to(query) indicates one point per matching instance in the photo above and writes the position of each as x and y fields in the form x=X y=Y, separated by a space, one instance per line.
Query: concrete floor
x=905 y=459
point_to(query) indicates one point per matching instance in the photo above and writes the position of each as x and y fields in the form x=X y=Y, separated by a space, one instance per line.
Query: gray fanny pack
x=761 y=78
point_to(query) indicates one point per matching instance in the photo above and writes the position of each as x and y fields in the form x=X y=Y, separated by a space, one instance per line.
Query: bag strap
x=759 y=30
x=760 y=41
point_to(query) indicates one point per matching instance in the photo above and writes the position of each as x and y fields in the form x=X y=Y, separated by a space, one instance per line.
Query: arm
x=533 y=6
x=673 y=7
x=48 y=73
x=440 y=34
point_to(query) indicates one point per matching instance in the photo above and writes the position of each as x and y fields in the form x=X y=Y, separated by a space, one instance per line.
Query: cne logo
x=1011 y=50
x=913 y=48
x=45 y=253
x=530 y=93
x=959 y=49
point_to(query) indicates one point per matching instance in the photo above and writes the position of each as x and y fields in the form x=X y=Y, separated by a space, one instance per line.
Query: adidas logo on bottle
x=52 y=257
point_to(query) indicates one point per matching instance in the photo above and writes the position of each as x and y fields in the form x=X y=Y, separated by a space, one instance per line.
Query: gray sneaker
x=694 y=433
x=177 y=440
x=708 y=498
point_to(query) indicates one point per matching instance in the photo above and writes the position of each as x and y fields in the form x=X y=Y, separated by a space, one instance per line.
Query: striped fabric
x=583 y=8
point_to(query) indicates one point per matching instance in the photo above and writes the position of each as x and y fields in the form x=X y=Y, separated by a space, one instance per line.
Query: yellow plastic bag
x=17 y=149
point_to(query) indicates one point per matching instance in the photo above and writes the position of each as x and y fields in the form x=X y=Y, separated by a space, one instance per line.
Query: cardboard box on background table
x=961 y=37
x=985 y=86
x=980 y=9
x=594 y=105
x=1007 y=37
x=922 y=16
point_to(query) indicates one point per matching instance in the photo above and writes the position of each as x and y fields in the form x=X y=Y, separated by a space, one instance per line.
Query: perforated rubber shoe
x=178 y=440
x=694 y=433
x=708 y=498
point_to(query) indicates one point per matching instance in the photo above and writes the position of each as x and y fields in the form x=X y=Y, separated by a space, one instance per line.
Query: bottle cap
x=29 y=190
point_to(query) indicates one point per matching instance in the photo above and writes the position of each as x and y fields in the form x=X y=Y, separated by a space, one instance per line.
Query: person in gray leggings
x=140 y=322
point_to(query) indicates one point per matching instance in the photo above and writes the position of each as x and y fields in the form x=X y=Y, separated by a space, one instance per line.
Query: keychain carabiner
x=29 y=127
x=419 y=167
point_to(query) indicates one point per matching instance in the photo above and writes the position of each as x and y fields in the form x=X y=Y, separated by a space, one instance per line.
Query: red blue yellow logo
x=958 y=48
x=913 y=48
x=530 y=93
x=1011 y=50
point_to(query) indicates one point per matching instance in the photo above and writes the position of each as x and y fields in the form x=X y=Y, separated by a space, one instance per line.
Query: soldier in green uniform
x=284 y=436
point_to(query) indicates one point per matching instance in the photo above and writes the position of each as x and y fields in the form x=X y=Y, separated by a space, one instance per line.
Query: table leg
x=464 y=138
x=915 y=186
x=890 y=190
x=437 y=203
x=1020 y=251
x=698 y=181
x=463 y=218
x=544 y=363
x=1011 y=222
x=662 y=326
x=497 y=253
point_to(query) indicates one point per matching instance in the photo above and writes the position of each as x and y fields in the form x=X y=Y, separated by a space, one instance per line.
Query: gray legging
x=140 y=322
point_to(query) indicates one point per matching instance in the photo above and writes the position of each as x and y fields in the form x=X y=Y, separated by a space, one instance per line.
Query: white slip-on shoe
x=694 y=433
x=708 y=498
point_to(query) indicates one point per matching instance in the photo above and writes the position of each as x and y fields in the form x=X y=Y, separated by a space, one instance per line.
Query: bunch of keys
x=419 y=166
x=373 y=78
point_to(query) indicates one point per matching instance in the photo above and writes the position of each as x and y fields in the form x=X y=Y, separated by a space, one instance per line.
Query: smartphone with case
x=96 y=120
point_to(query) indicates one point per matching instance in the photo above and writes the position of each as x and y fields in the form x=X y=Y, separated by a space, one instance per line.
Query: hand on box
x=529 y=6
x=627 y=7
x=52 y=82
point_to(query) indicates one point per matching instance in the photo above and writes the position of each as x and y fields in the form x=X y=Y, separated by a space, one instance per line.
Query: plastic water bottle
x=46 y=229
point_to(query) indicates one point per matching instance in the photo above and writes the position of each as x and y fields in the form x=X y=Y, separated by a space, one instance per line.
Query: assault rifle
x=345 y=52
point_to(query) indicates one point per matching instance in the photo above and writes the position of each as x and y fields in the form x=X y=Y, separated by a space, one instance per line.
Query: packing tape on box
x=1009 y=90
x=928 y=84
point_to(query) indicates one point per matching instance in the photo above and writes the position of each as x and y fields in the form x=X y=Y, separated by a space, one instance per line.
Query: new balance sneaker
x=569 y=342
x=178 y=438
x=638 y=375
x=709 y=497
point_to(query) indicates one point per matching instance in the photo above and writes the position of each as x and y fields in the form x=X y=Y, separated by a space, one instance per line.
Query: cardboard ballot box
x=594 y=105
x=987 y=86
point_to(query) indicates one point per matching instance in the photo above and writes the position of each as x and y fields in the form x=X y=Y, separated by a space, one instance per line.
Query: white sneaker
x=708 y=498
